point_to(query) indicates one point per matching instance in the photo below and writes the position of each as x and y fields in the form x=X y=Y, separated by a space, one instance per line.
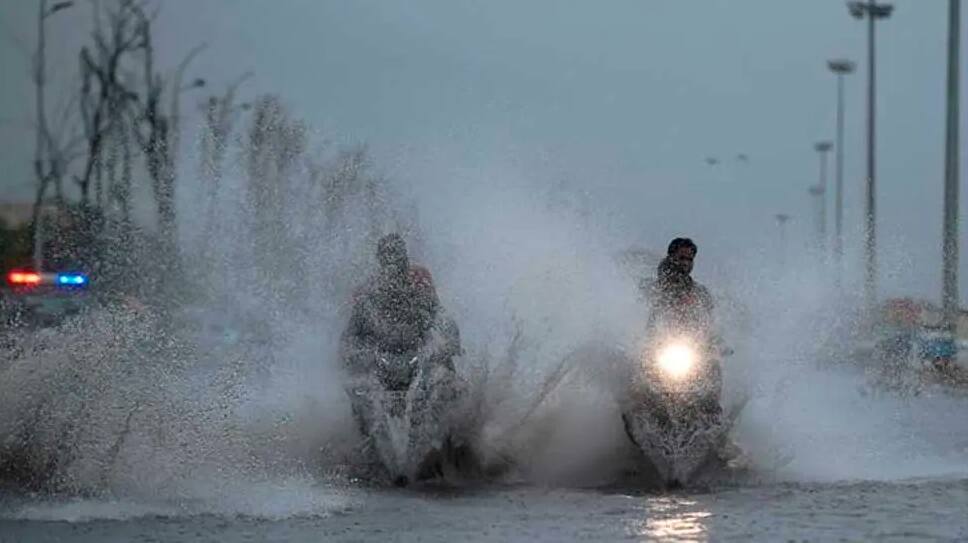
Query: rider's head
x=391 y=253
x=681 y=254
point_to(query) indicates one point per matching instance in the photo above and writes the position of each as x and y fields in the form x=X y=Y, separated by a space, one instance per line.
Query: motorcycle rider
x=680 y=301
x=675 y=294
x=396 y=311
x=396 y=325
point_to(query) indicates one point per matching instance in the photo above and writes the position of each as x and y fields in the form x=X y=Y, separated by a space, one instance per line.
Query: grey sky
x=624 y=97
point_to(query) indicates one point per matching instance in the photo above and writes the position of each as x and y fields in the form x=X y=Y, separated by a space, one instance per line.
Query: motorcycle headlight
x=676 y=360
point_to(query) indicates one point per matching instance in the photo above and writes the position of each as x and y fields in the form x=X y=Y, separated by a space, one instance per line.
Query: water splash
x=233 y=401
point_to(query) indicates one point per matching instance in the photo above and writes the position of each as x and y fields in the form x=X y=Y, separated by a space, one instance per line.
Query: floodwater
x=914 y=510
x=186 y=451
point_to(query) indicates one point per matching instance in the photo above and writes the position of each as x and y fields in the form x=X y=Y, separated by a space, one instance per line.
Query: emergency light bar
x=18 y=278
x=23 y=278
x=75 y=279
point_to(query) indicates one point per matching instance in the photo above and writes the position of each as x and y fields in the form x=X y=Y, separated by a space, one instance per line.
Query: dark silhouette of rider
x=398 y=336
x=676 y=296
x=394 y=312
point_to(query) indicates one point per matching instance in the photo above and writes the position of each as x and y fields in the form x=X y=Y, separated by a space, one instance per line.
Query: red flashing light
x=23 y=278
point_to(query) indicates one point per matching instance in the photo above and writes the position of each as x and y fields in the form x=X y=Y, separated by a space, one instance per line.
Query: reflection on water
x=673 y=519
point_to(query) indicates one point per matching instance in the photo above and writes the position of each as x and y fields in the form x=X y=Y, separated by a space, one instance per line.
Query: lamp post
x=818 y=195
x=822 y=148
x=781 y=220
x=40 y=81
x=949 y=293
x=841 y=67
x=872 y=11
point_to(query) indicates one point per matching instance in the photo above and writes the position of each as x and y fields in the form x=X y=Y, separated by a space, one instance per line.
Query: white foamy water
x=226 y=416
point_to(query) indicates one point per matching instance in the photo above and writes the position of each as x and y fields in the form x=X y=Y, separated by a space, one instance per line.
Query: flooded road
x=191 y=445
x=917 y=510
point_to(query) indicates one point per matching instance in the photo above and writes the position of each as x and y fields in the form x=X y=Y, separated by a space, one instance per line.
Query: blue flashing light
x=71 y=279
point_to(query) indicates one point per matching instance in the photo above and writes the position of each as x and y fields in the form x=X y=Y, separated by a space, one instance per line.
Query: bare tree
x=156 y=130
x=274 y=145
x=103 y=95
x=221 y=113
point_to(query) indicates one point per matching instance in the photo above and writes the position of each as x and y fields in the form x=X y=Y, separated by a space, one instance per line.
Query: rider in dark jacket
x=681 y=302
x=675 y=295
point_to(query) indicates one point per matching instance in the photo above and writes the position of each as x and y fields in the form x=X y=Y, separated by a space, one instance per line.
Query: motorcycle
x=408 y=410
x=674 y=413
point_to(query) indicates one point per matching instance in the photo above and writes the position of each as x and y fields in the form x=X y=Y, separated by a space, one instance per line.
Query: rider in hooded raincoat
x=396 y=324
x=396 y=311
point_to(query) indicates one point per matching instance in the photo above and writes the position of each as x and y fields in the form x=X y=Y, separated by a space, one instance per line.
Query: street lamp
x=781 y=220
x=40 y=69
x=949 y=292
x=817 y=192
x=841 y=67
x=873 y=11
x=822 y=148
x=196 y=83
x=57 y=7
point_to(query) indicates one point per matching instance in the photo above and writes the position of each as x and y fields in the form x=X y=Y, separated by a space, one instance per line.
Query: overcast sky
x=625 y=98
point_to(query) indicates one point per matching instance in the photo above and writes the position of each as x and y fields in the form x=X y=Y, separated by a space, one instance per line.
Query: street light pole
x=841 y=67
x=42 y=143
x=817 y=192
x=873 y=11
x=822 y=148
x=949 y=295
x=781 y=220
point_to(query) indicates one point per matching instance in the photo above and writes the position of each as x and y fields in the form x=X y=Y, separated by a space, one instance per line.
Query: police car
x=40 y=299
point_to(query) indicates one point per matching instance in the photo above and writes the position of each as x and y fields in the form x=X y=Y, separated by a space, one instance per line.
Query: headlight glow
x=676 y=360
